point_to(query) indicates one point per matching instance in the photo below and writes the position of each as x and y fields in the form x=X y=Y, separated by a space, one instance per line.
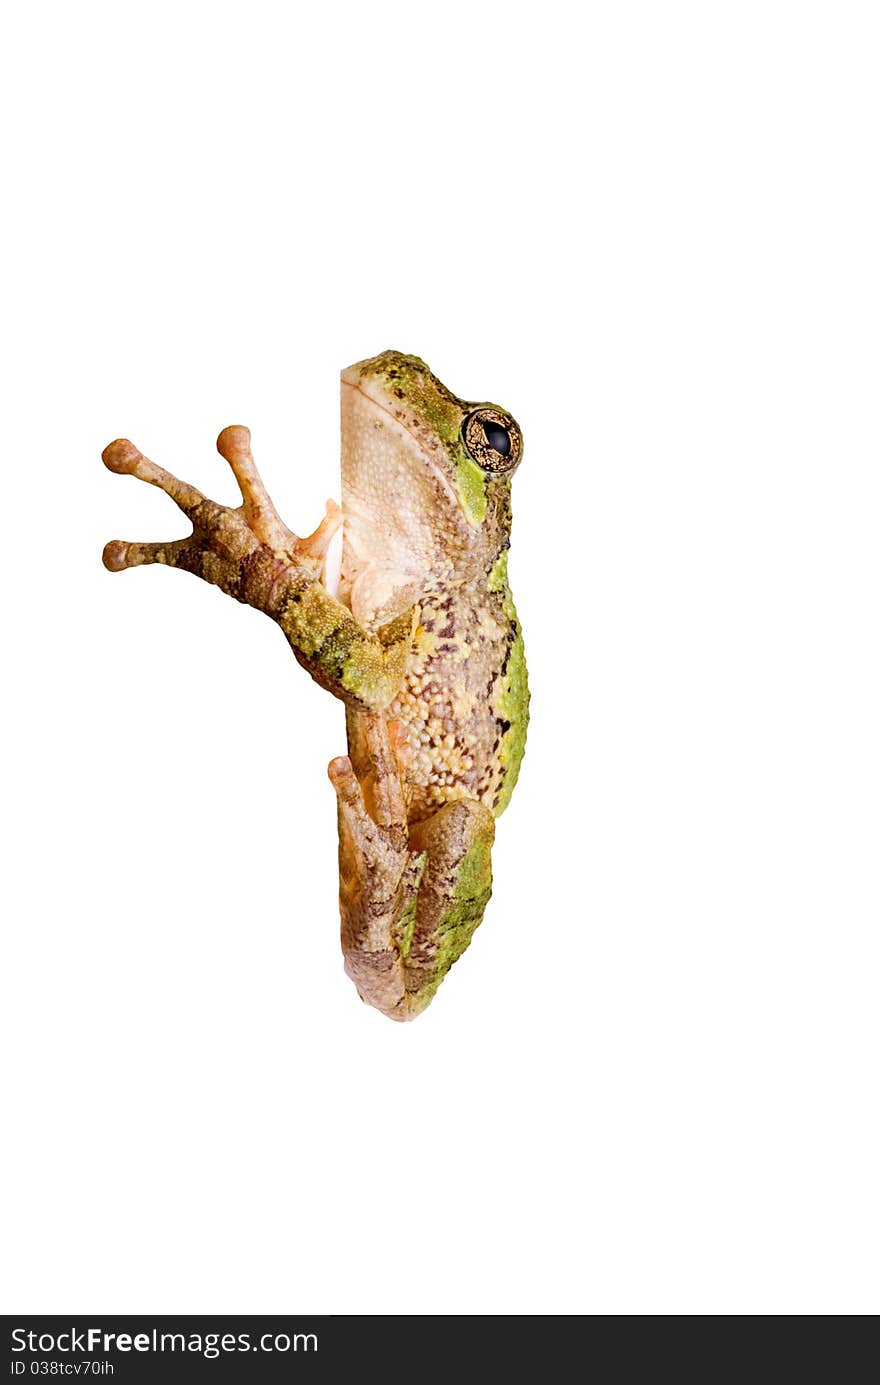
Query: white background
x=651 y=1085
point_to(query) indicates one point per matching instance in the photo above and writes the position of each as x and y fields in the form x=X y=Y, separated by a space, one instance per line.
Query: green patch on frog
x=473 y=888
x=512 y=706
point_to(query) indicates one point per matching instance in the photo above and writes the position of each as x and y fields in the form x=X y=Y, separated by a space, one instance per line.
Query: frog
x=399 y=605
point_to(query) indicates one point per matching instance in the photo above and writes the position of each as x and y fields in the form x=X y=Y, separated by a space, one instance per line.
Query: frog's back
x=464 y=703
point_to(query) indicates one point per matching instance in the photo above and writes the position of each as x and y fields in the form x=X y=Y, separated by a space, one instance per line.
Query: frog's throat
x=417 y=444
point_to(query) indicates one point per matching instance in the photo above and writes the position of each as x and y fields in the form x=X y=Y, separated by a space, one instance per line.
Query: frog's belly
x=446 y=708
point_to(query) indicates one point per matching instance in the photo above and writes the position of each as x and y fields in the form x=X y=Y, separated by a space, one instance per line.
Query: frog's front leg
x=251 y=555
x=410 y=897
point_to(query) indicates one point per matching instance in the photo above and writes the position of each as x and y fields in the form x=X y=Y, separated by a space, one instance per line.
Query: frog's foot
x=233 y=548
x=410 y=900
x=251 y=555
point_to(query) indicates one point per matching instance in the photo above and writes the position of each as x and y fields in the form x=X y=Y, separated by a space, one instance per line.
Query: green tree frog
x=413 y=627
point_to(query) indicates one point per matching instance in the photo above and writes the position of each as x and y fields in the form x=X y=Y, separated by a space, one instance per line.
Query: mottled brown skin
x=420 y=641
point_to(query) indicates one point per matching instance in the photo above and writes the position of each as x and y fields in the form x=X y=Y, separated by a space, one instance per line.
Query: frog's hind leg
x=452 y=894
x=410 y=901
x=377 y=873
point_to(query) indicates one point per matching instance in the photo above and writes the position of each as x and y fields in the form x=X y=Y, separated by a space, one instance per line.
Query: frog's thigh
x=409 y=909
x=453 y=893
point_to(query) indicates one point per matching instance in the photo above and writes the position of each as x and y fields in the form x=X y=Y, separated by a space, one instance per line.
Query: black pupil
x=498 y=437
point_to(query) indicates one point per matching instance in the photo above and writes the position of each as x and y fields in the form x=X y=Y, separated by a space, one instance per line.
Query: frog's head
x=425 y=476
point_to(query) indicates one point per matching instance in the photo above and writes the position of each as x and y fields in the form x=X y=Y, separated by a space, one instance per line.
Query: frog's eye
x=492 y=439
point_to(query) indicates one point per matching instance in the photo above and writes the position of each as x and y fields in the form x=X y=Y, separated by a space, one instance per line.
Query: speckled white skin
x=404 y=531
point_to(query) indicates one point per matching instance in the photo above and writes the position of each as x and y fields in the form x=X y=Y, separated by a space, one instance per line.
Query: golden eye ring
x=492 y=439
